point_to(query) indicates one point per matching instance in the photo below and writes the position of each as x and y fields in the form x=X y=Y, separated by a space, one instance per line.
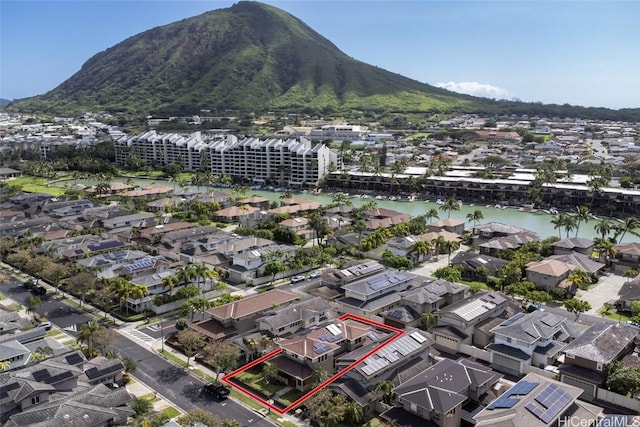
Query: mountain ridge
x=250 y=57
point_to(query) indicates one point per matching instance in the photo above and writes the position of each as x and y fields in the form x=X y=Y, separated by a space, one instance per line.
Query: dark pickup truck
x=216 y=390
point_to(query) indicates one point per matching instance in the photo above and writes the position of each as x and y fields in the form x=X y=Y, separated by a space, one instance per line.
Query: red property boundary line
x=227 y=378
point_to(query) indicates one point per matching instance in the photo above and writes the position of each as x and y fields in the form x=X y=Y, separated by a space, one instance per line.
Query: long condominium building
x=294 y=163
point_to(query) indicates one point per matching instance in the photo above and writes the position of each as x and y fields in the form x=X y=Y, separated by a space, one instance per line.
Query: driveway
x=428 y=267
x=605 y=291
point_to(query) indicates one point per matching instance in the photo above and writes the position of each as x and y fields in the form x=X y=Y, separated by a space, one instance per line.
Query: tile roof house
x=628 y=293
x=385 y=364
x=425 y=297
x=451 y=225
x=583 y=262
x=586 y=357
x=375 y=294
x=627 y=257
x=550 y=273
x=438 y=393
x=456 y=323
x=96 y=407
x=240 y=316
x=572 y=245
x=319 y=347
x=513 y=241
x=530 y=339
x=383 y=218
x=297 y=316
x=474 y=265
x=537 y=401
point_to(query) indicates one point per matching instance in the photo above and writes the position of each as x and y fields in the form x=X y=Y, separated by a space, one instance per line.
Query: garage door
x=506 y=364
x=589 y=389
x=446 y=342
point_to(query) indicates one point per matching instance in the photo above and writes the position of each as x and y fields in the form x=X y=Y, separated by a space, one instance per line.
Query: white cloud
x=475 y=89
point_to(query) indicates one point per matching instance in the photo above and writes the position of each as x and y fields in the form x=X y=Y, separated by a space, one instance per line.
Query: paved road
x=174 y=384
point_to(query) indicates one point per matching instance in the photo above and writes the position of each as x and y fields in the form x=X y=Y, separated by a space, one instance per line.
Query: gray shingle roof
x=602 y=342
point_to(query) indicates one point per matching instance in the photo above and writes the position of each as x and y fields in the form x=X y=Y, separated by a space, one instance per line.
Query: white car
x=314 y=274
x=297 y=279
x=45 y=325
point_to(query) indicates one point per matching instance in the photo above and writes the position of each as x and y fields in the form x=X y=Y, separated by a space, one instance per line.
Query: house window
x=599 y=366
x=35 y=400
x=414 y=408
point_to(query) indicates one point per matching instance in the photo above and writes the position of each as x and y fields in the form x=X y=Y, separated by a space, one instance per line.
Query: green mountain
x=250 y=57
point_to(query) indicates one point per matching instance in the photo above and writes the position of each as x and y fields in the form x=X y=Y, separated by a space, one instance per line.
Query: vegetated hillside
x=250 y=57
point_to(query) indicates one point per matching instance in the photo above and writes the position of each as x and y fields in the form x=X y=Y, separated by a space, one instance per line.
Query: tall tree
x=221 y=356
x=386 y=389
x=475 y=216
x=582 y=216
x=191 y=343
x=450 y=204
x=577 y=307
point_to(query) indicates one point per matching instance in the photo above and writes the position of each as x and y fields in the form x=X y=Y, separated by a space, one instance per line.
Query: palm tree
x=141 y=406
x=185 y=274
x=138 y=292
x=269 y=371
x=582 y=215
x=607 y=248
x=4 y=365
x=431 y=215
x=265 y=343
x=420 y=248
x=386 y=389
x=87 y=335
x=558 y=222
x=629 y=225
x=570 y=222
x=475 y=216
x=33 y=302
x=41 y=353
x=451 y=245
x=169 y=282
x=438 y=243
x=451 y=204
x=579 y=278
x=252 y=348
x=630 y=274
x=427 y=320
x=603 y=227
x=354 y=413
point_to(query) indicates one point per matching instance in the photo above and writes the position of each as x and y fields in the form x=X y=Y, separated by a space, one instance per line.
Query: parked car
x=28 y=285
x=39 y=290
x=216 y=390
x=297 y=279
x=315 y=274
x=45 y=325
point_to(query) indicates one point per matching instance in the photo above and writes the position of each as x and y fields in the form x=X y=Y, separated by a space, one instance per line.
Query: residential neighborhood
x=309 y=311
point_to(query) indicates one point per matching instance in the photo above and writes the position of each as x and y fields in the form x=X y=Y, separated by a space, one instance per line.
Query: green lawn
x=614 y=315
x=171 y=412
x=36 y=184
x=256 y=380
x=482 y=285
x=289 y=397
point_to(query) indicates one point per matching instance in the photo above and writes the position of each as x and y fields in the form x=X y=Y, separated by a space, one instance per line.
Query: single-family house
x=536 y=400
x=627 y=257
x=572 y=245
x=550 y=273
x=295 y=317
x=477 y=266
x=451 y=225
x=375 y=294
x=586 y=357
x=437 y=394
x=530 y=339
x=628 y=293
x=456 y=322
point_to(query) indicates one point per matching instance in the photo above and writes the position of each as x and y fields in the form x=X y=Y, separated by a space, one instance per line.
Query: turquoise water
x=539 y=222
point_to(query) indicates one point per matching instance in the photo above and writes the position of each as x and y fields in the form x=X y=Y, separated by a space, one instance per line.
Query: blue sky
x=576 y=52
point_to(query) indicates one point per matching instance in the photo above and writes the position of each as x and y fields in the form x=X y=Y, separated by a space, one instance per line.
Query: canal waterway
x=540 y=222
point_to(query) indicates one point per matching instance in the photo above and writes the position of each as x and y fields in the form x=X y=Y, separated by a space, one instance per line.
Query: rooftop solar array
x=418 y=337
x=396 y=314
x=373 y=336
x=143 y=263
x=320 y=348
x=331 y=338
x=390 y=353
x=550 y=401
x=109 y=244
x=522 y=388
x=74 y=359
x=512 y=319
x=474 y=309
x=384 y=281
x=5 y=389
x=363 y=269
x=95 y=372
x=551 y=320
x=334 y=329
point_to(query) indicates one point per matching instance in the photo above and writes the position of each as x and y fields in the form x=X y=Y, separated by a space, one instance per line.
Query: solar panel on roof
x=335 y=338
x=5 y=389
x=334 y=329
x=56 y=378
x=373 y=336
x=418 y=337
x=396 y=314
x=522 y=388
x=512 y=319
x=74 y=359
x=503 y=401
x=320 y=348
x=40 y=375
